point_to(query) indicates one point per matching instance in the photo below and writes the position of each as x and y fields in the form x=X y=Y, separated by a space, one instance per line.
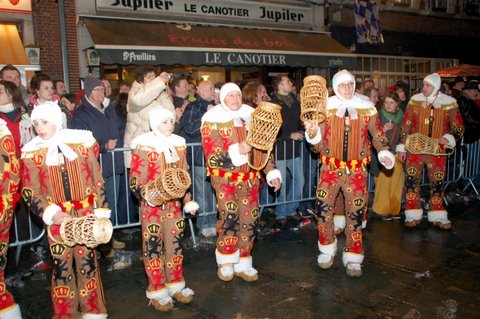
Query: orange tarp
x=460 y=70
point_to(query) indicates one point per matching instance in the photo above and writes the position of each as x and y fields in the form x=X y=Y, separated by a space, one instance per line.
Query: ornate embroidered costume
x=10 y=175
x=163 y=225
x=63 y=174
x=236 y=185
x=434 y=116
x=342 y=142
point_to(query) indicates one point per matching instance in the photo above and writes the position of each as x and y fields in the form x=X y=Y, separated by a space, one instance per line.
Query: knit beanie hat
x=48 y=111
x=157 y=116
x=435 y=80
x=90 y=83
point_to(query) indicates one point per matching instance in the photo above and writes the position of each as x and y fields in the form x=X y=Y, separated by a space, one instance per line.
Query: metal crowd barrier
x=464 y=164
x=471 y=165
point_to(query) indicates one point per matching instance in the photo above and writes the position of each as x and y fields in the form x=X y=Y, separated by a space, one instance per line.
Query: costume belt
x=77 y=204
x=235 y=177
x=354 y=165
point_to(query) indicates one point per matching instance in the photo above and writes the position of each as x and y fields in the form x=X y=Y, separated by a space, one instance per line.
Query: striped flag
x=367 y=24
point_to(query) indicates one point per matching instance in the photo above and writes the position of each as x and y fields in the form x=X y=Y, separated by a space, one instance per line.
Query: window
x=471 y=8
x=438 y=5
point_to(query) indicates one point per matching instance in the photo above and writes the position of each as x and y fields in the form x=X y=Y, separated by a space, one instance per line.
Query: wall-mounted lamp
x=33 y=55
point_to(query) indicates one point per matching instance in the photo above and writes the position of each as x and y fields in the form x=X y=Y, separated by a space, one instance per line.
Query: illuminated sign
x=236 y=10
x=16 y=6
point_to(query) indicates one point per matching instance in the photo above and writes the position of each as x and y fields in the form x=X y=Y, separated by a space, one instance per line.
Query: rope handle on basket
x=258 y=168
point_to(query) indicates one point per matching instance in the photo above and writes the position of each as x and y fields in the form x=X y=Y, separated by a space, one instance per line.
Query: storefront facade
x=15 y=34
x=218 y=40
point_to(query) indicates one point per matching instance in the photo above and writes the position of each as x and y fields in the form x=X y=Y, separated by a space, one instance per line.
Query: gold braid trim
x=147 y=148
x=450 y=106
x=417 y=103
x=44 y=150
x=30 y=154
x=362 y=112
x=444 y=107
x=217 y=125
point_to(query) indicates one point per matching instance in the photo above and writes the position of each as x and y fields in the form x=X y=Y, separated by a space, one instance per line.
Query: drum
x=265 y=123
x=171 y=184
x=313 y=99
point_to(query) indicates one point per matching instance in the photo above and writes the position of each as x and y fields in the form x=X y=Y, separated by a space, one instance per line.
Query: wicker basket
x=171 y=184
x=313 y=99
x=420 y=144
x=88 y=230
x=264 y=126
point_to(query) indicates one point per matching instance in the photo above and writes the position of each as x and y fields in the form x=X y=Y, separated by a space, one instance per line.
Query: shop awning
x=13 y=51
x=140 y=42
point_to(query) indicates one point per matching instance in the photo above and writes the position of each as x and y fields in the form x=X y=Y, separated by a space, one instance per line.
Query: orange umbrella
x=460 y=70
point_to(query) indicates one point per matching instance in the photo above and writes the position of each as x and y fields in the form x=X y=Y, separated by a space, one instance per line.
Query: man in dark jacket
x=470 y=112
x=202 y=189
x=180 y=101
x=104 y=124
x=288 y=148
x=471 y=119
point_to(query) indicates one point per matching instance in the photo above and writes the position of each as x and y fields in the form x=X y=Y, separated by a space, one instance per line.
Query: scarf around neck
x=287 y=99
x=7 y=108
x=162 y=144
x=395 y=117
x=53 y=145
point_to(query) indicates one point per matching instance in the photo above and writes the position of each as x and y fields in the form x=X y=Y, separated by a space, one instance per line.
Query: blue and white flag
x=367 y=24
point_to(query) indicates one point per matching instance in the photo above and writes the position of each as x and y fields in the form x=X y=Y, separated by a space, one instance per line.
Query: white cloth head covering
x=165 y=144
x=239 y=116
x=340 y=77
x=156 y=116
x=435 y=80
x=227 y=88
x=50 y=112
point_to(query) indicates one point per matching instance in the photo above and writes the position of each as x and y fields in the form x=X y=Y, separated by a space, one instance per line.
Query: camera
x=170 y=76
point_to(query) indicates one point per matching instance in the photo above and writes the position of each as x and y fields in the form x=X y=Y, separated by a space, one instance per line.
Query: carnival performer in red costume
x=236 y=184
x=434 y=115
x=61 y=178
x=344 y=147
x=10 y=175
x=162 y=226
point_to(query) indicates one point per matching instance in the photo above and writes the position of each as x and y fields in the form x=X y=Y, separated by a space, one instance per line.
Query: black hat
x=471 y=85
x=458 y=79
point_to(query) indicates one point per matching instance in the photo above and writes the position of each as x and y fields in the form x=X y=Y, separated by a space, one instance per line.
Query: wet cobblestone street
x=404 y=269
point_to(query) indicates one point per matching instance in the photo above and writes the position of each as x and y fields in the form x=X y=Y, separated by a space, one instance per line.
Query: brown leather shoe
x=183 y=298
x=354 y=270
x=444 y=226
x=162 y=307
x=246 y=277
x=413 y=223
x=325 y=264
x=117 y=244
x=222 y=276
